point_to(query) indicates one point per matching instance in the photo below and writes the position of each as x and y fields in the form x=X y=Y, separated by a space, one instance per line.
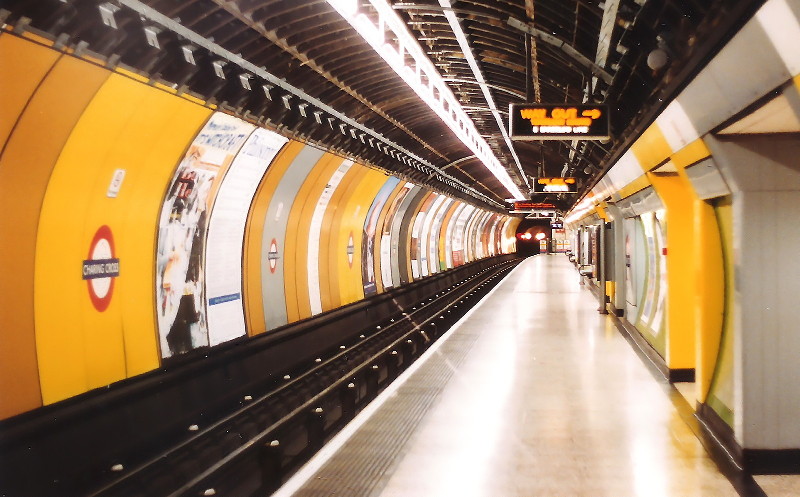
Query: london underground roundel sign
x=101 y=268
x=272 y=255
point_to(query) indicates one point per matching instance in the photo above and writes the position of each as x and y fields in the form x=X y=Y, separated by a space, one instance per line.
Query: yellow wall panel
x=132 y=75
x=634 y=186
x=254 y=309
x=600 y=209
x=350 y=276
x=651 y=148
x=709 y=295
x=142 y=131
x=25 y=168
x=332 y=253
x=319 y=187
x=23 y=64
x=721 y=395
x=41 y=40
x=154 y=142
x=691 y=153
x=677 y=195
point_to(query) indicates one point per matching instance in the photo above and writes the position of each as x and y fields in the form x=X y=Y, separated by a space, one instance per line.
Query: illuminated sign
x=523 y=206
x=557 y=226
x=558 y=122
x=555 y=185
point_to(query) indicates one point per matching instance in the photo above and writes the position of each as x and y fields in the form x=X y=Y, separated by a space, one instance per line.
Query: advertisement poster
x=433 y=235
x=180 y=257
x=225 y=241
x=493 y=238
x=315 y=234
x=459 y=233
x=448 y=239
x=370 y=228
x=417 y=247
x=425 y=236
x=482 y=248
x=651 y=285
x=661 y=238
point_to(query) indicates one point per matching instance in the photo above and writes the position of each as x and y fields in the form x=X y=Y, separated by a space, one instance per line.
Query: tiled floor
x=535 y=394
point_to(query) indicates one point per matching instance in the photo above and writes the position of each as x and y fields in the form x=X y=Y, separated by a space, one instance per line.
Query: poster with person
x=226 y=231
x=183 y=225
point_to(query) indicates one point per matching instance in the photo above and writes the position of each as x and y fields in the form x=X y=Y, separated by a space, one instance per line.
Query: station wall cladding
x=141 y=225
x=690 y=264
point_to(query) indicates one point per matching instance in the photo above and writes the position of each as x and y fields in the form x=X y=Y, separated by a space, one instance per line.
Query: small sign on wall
x=116 y=183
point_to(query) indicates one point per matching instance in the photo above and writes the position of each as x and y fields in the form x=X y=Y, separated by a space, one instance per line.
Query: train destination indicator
x=521 y=206
x=558 y=122
x=555 y=185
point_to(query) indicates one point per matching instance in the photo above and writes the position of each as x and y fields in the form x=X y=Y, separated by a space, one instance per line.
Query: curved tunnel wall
x=189 y=227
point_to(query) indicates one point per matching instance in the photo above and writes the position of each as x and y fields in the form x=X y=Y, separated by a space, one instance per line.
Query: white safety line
x=314 y=464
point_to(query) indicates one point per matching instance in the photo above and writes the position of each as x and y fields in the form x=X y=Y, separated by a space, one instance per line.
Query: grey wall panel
x=758 y=163
x=765 y=175
x=272 y=280
x=617 y=274
x=745 y=69
x=707 y=180
x=644 y=201
x=400 y=227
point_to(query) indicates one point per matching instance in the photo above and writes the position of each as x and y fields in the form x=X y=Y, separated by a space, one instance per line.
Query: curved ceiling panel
x=301 y=66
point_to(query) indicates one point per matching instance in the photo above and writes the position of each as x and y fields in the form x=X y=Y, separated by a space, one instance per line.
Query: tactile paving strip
x=364 y=463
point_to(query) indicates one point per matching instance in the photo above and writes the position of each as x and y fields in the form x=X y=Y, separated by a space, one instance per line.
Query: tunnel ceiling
x=301 y=67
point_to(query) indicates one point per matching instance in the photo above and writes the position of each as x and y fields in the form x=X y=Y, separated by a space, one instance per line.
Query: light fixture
x=657 y=59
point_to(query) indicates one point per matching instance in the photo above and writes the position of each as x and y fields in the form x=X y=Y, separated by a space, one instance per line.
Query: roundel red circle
x=272 y=255
x=101 y=248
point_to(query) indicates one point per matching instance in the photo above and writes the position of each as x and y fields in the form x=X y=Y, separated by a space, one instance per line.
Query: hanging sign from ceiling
x=522 y=206
x=555 y=185
x=558 y=122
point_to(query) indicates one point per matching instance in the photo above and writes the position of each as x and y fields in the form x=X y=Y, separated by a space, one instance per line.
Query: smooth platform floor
x=534 y=393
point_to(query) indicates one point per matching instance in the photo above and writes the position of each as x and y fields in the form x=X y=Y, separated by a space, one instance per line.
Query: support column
x=676 y=194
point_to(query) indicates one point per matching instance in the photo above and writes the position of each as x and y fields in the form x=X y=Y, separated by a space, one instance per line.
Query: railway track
x=255 y=447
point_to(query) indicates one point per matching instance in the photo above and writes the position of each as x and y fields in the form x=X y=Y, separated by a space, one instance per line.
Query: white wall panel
x=783 y=30
x=226 y=229
x=676 y=126
x=749 y=60
x=625 y=170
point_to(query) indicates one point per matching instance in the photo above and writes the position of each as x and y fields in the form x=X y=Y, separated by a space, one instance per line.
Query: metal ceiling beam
x=494 y=87
x=564 y=46
x=532 y=58
x=272 y=36
x=152 y=15
x=461 y=37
